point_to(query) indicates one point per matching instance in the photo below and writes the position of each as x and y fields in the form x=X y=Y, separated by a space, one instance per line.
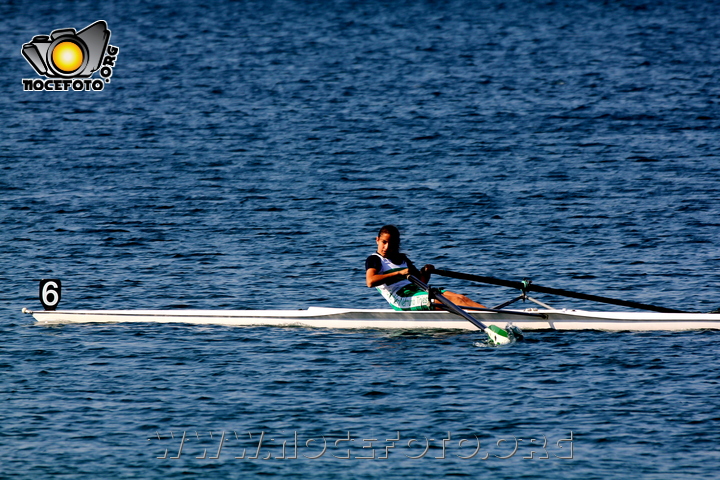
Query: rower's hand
x=428 y=269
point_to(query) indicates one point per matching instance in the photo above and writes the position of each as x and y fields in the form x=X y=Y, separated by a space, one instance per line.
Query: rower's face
x=386 y=244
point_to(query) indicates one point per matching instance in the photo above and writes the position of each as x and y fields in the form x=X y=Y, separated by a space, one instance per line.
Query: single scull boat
x=543 y=318
x=322 y=317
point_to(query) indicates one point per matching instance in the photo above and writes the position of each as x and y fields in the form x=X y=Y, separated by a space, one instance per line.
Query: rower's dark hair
x=391 y=230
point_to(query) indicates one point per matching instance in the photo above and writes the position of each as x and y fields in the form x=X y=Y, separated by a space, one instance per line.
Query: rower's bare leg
x=461 y=300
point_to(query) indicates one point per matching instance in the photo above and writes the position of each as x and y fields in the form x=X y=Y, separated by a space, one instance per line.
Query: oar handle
x=531 y=287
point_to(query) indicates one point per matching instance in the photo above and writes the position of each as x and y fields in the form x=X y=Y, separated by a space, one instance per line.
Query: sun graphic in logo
x=67 y=56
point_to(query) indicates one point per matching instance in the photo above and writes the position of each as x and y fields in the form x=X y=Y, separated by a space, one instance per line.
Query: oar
x=530 y=287
x=497 y=335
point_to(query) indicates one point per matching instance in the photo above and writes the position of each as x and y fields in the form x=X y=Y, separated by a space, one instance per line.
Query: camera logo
x=68 y=58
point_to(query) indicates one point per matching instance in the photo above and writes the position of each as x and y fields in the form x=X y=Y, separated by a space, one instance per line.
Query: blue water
x=244 y=155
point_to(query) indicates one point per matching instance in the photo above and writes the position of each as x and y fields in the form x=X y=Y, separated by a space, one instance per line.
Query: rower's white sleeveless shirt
x=395 y=291
x=387 y=266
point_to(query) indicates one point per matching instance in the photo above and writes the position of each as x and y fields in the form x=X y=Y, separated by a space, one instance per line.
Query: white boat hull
x=320 y=317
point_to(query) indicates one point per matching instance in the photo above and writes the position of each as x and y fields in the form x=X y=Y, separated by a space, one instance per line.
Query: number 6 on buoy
x=50 y=292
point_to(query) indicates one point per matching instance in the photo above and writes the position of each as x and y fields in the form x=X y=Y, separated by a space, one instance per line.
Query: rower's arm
x=373 y=278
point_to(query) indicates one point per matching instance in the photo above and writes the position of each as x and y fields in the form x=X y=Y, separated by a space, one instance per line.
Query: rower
x=387 y=270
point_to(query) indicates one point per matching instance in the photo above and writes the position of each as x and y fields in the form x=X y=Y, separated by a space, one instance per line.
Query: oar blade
x=498 y=336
